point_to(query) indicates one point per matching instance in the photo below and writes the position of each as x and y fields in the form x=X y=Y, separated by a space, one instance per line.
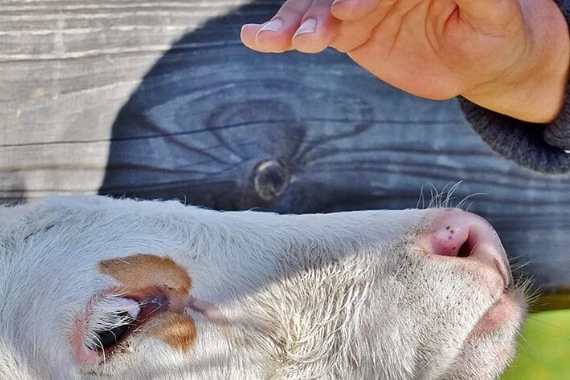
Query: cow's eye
x=112 y=320
x=105 y=339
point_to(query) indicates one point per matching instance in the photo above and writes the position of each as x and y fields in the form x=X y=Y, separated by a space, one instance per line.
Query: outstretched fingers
x=275 y=35
x=304 y=25
x=311 y=26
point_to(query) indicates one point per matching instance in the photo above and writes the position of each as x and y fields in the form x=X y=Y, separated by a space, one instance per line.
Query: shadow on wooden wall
x=221 y=126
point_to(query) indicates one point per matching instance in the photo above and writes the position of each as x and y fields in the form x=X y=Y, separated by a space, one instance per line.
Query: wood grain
x=160 y=99
x=66 y=68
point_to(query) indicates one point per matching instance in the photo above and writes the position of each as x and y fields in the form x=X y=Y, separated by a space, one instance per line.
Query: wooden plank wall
x=66 y=68
x=159 y=99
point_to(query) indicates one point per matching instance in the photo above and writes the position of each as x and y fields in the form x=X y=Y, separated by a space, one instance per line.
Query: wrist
x=534 y=90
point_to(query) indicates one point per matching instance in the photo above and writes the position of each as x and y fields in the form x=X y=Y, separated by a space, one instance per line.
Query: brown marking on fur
x=141 y=271
x=175 y=329
x=142 y=275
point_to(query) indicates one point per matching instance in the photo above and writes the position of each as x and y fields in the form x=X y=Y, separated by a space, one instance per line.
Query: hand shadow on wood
x=218 y=125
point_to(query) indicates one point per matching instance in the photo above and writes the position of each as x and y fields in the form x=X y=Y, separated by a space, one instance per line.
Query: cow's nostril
x=462 y=234
x=465 y=249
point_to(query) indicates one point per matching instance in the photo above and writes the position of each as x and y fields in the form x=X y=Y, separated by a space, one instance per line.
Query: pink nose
x=459 y=233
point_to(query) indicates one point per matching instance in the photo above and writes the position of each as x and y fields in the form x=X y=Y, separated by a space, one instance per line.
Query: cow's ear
x=149 y=298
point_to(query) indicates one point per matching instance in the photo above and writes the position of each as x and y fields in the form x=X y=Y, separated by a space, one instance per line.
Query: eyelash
x=108 y=338
x=114 y=318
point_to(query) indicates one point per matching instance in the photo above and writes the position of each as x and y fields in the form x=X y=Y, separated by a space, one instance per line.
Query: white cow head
x=94 y=288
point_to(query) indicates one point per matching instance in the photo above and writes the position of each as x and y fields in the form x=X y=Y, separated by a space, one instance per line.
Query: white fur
x=338 y=296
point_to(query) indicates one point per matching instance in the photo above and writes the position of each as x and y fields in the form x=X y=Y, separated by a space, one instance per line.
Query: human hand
x=510 y=56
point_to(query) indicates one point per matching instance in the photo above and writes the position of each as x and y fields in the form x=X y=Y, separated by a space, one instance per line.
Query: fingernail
x=308 y=26
x=273 y=25
x=248 y=25
x=338 y=1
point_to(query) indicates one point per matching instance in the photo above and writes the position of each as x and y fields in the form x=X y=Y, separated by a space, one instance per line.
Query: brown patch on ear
x=175 y=329
x=143 y=275
x=143 y=270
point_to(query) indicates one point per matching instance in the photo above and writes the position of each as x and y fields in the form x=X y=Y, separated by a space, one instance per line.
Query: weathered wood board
x=159 y=99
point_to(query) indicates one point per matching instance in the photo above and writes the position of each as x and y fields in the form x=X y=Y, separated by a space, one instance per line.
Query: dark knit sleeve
x=540 y=147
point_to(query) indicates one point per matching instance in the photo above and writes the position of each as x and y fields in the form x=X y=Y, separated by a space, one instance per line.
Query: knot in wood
x=270 y=179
